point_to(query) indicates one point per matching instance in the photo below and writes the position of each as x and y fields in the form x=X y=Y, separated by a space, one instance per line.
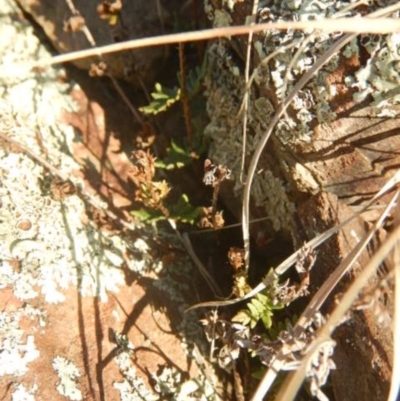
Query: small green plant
x=153 y=194
x=261 y=307
x=177 y=157
x=163 y=98
x=184 y=212
x=181 y=211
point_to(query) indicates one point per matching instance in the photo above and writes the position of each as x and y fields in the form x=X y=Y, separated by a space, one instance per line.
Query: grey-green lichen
x=269 y=190
x=168 y=383
x=379 y=78
x=48 y=246
x=225 y=93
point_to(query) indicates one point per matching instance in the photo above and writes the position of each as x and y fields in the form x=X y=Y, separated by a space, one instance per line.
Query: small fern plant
x=261 y=307
x=163 y=98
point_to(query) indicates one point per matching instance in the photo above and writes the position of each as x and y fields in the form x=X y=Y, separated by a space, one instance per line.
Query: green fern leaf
x=163 y=98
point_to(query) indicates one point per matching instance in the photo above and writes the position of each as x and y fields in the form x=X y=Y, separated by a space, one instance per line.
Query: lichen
x=270 y=190
x=221 y=19
x=68 y=375
x=23 y=394
x=380 y=77
x=48 y=246
x=15 y=354
x=311 y=106
x=52 y=256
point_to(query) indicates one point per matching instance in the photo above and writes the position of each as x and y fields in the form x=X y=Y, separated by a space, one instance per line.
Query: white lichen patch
x=132 y=388
x=68 y=375
x=58 y=250
x=23 y=394
x=47 y=239
x=16 y=349
x=168 y=384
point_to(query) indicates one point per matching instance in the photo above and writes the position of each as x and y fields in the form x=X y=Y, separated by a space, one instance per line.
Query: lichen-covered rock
x=340 y=129
x=85 y=313
x=332 y=150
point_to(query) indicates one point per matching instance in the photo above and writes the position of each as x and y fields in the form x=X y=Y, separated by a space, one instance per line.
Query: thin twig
x=246 y=91
x=160 y=15
x=291 y=386
x=227 y=227
x=125 y=99
x=184 y=95
x=214 y=205
x=356 y=25
x=184 y=238
x=263 y=62
x=292 y=62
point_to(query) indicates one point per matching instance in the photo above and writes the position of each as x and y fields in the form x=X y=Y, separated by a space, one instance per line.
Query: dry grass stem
x=246 y=90
x=189 y=249
x=354 y=25
x=264 y=139
x=290 y=387
x=395 y=384
x=315 y=242
x=318 y=300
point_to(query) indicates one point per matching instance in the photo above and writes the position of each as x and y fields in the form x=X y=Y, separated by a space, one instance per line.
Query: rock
x=364 y=347
x=339 y=134
x=85 y=313
x=332 y=150
x=137 y=19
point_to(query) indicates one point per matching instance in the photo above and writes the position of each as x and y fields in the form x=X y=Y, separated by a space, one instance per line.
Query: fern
x=184 y=212
x=261 y=307
x=163 y=98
